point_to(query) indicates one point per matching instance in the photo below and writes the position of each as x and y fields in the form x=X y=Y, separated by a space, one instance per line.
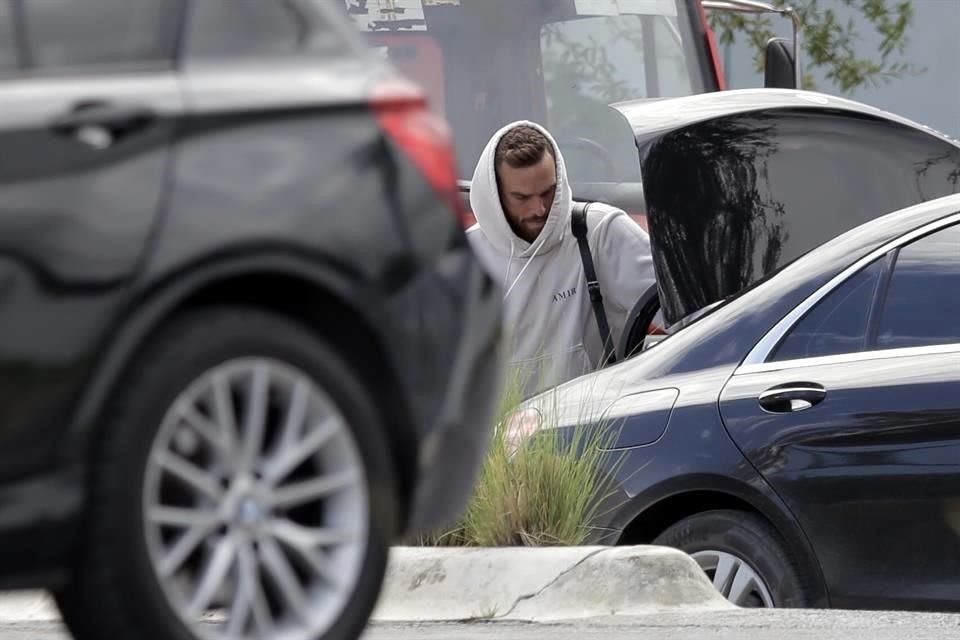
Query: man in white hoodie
x=522 y=201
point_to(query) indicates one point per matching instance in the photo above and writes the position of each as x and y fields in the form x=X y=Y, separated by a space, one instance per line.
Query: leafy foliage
x=830 y=44
x=543 y=490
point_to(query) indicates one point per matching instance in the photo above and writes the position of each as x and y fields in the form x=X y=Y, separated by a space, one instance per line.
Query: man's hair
x=522 y=147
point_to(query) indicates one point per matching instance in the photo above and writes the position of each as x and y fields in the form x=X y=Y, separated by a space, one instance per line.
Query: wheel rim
x=734 y=578
x=255 y=504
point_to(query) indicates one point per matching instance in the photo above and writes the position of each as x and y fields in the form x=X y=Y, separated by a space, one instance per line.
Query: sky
x=931 y=98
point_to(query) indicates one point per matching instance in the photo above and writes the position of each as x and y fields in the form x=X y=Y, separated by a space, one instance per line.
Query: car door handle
x=101 y=124
x=792 y=397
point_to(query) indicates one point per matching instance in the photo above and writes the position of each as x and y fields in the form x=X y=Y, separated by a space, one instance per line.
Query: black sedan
x=800 y=439
x=244 y=344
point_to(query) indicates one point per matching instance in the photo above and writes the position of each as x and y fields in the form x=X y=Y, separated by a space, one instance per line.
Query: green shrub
x=545 y=492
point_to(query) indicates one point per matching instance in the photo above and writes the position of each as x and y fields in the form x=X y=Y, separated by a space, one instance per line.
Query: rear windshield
x=485 y=63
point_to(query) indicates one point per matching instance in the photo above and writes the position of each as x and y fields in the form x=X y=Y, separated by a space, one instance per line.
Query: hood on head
x=486 y=207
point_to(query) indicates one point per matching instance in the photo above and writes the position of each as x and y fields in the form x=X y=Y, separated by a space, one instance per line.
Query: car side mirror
x=779 y=70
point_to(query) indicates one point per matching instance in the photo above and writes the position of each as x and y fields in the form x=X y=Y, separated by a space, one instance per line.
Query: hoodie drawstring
x=506 y=274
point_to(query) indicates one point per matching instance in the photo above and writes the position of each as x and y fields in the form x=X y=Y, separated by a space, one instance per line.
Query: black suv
x=244 y=346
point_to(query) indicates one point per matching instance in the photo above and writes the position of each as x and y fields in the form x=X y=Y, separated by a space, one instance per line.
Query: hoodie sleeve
x=623 y=260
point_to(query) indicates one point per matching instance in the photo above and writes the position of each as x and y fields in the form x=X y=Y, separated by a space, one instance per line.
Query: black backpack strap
x=578 y=220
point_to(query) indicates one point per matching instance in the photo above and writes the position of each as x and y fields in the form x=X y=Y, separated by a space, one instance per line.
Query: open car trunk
x=738 y=183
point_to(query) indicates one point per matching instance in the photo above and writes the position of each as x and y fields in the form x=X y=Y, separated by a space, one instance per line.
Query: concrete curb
x=436 y=584
x=541 y=584
x=27 y=606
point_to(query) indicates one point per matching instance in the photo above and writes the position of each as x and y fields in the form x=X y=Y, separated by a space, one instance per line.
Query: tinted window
x=8 y=43
x=259 y=28
x=838 y=323
x=69 y=34
x=923 y=301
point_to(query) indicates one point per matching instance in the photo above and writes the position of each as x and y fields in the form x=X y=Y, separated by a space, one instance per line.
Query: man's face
x=527 y=195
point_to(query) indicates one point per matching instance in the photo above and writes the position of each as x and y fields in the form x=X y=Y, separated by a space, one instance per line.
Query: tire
x=116 y=590
x=728 y=544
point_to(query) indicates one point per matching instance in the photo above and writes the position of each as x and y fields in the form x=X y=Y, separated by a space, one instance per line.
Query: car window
x=229 y=29
x=595 y=139
x=485 y=63
x=838 y=323
x=66 y=34
x=8 y=42
x=922 y=305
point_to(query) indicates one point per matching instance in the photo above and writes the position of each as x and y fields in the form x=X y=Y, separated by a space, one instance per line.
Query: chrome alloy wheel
x=736 y=580
x=255 y=504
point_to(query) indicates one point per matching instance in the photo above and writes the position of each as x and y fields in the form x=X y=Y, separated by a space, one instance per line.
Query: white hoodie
x=551 y=332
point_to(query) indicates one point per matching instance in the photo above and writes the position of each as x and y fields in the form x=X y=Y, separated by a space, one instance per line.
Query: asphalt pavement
x=731 y=625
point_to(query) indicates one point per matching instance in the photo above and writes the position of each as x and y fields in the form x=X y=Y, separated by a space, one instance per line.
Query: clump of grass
x=546 y=492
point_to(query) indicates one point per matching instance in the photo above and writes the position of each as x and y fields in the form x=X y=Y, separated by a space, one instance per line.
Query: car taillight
x=425 y=137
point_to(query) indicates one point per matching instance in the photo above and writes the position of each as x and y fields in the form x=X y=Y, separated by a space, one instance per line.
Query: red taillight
x=425 y=137
x=714 y=50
